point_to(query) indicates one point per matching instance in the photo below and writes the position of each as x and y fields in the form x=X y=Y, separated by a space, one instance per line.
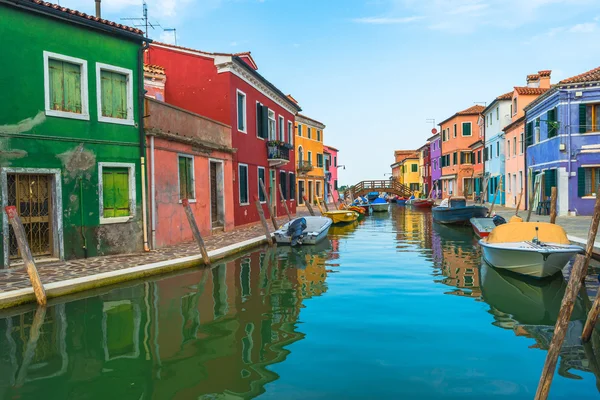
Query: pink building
x=331 y=173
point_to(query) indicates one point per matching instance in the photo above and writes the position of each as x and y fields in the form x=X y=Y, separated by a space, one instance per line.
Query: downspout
x=85 y=249
x=141 y=92
x=152 y=194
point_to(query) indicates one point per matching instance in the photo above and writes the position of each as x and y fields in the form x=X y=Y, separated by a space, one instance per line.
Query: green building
x=70 y=129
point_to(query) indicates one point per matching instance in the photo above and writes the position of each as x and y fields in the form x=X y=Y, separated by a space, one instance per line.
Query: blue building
x=562 y=131
x=494 y=118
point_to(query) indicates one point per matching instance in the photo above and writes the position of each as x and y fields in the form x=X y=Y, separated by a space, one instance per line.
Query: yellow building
x=310 y=161
x=409 y=173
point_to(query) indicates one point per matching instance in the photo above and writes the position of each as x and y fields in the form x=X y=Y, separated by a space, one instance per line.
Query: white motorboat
x=536 y=249
x=304 y=230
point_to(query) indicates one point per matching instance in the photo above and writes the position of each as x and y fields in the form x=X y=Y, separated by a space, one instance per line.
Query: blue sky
x=374 y=70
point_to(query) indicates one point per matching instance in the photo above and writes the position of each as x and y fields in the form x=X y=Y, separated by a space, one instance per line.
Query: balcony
x=304 y=167
x=278 y=153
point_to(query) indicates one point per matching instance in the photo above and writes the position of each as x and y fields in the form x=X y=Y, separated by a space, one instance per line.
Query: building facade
x=515 y=149
x=227 y=88
x=495 y=117
x=477 y=151
x=311 y=161
x=71 y=133
x=435 y=155
x=424 y=169
x=562 y=135
x=331 y=173
x=409 y=173
x=458 y=133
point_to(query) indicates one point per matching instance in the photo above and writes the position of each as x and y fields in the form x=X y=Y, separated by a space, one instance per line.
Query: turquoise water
x=394 y=307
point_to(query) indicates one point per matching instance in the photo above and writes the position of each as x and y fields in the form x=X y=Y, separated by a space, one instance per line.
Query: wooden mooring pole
x=285 y=206
x=268 y=199
x=17 y=225
x=592 y=318
x=519 y=203
x=578 y=273
x=30 y=348
x=308 y=206
x=195 y=231
x=263 y=220
x=532 y=199
x=325 y=204
x=553 y=197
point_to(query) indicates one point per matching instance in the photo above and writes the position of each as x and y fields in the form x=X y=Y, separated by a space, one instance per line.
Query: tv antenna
x=143 y=21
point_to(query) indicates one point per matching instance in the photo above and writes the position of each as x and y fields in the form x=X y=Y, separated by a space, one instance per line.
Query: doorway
x=272 y=193
x=300 y=192
x=217 y=198
x=310 y=192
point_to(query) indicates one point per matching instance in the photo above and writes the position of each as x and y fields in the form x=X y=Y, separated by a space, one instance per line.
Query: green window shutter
x=106 y=98
x=264 y=129
x=462 y=157
x=258 y=120
x=261 y=177
x=240 y=111
x=551 y=117
x=529 y=134
x=414 y=168
x=115 y=192
x=72 y=86
x=454 y=130
x=466 y=129
x=283 y=183
x=582 y=118
x=243 y=179
x=56 y=84
x=549 y=181
x=186 y=184
x=114 y=94
x=581 y=182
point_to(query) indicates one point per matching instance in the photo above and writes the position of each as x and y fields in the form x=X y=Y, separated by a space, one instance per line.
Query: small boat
x=456 y=211
x=422 y=203
x=401 y=201
x=483 y=226
x=536 y=249
x=305 y=230
x=372 y=196
x=379 y=205
x=341 y=216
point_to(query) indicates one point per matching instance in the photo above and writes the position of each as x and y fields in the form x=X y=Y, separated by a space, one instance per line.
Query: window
x=281 y=129
x=497 y=113
x=262 y=117
x=335 y=184
x=241 y=111
x=589 y=118
x=319 y=160
x=261 y=177
x=414 y=168
x=537 y=130
x=551 y=121
x=243 y=183
x=292 y=186
x=485 y=154
x=466 y=157
x=520 y=181
x=117 y=192
x=335 y=161
x=588 y=181
x=529 y=137
x=309 y=132
x=497 y=149
x=309 y=158
x=443 y=135
x=479 y=157
x=514 y=106
x=272 y=127
x=318 y=188
x=455 y=130
x=511 y=109
x=318 y=135
x=65 y=86
x=466 y=129
x=514 y=146
x=508 y=152
x=454 y=158
x=299 y=129
x=290 y=133
x=186 y=177
x=283 y=183
x=509 y=185
x=114 y=94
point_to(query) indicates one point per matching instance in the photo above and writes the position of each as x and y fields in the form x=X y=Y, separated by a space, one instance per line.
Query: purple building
x=562 y=137
x=435 y=153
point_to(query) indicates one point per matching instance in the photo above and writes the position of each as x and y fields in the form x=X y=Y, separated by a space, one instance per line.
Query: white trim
x=85 y=112
x=462 y=129
x=290 y=130
x=590 y=165
x=550 y=162
x=132 y=205
x=281 y=128
x=237 y=109
x=547 y=140
x=274 y=133
x=247 y=185
x=193 y=176
x=309 y=157
x=130 y=120
x=258 y=180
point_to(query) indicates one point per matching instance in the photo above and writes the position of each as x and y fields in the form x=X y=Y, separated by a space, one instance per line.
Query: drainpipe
x=141 y=91
x=85 y=249
x=152 y=194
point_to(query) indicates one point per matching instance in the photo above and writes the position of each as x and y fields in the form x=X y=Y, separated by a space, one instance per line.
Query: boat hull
x=529 y=260
x=311 y=236
x=457 y=215
x=482 y=226
x=341 y=217
x=422 y=203
x=383 y=207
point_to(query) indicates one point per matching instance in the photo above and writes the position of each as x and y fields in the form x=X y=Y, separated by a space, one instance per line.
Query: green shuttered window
x=261 y=177
x=466 y=129
x=292 y=186
x=529 y=134
x=115 y=192
x=64 y=86
x=283 y=183
x=588 y=181
x=241 y=111
x=549 y=181
x=114 y=94
x=186 y=178
x=243 y=183
x=414 y=168
x=552 y=127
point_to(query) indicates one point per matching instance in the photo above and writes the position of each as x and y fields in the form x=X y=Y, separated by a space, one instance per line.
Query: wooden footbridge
x=382 y=186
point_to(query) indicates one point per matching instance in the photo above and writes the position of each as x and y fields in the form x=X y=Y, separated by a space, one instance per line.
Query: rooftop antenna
x=143 y=20
x=481 y=102
x=174 y=30
x=430 y=121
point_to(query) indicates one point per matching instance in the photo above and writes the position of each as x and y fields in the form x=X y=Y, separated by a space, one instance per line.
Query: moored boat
x=483 y=226
x=536 y=249
x=379 y=205
x=457 y=212
x=422 y=203
x=341 y=216
x=372 y=196
x=302 y=231
x=401 y=201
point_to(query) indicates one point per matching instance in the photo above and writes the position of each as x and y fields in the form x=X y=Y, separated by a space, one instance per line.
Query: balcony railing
x=278 y=153
x=304 y=166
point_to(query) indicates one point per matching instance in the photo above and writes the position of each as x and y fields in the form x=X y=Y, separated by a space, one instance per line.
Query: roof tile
x=524 y=90
x=154 y=69
x=589 y=76
x=473 y=110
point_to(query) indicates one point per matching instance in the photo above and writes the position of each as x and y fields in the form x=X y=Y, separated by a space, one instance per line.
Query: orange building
x=459 y=132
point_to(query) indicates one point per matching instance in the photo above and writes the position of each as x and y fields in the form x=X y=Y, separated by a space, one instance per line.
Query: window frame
x=290 y=128
x=281 y=128
x=247 y=185
x=522 y=147
x=193 y=176
x=132 y=194
x=245 y=111
x=85 y=111
x=292 y=183
x=462 y=131
x=299 y=129
x=130 y=120
x=274 y=121
x=455 y=130
x=308 y=132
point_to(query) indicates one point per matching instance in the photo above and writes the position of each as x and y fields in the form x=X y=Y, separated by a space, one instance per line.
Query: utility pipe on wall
x=142 y=139
x=152 y=195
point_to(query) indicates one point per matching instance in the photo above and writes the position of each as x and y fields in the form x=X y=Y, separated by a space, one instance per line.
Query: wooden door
x=214 y=198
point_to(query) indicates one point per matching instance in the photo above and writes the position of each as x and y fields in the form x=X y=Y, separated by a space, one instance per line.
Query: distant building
x=562 y=131
x=331 y=173
x=458 y=133
x=424 y=169
x=435 y=155
x=311 y=160
x=409 y=173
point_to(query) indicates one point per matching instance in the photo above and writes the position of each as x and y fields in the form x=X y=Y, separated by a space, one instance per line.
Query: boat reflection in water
x=530 y=308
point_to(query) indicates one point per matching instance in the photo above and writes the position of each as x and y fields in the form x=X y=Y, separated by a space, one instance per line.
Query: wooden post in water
x=285 y=206
x=195 y=231
x=34 y=335
x=319 y=205
x=519 y=203
x=578 y=273
x=17 y=225
x=308 y=206
x=273 y=218
x=553 y=205
x=325 y=203
x=498 y=186
x=592 y=318
x=532 y=199
x=263 y=220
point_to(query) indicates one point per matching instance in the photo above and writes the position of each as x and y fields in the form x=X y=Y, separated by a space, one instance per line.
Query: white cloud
x=386 y=20
x=167 y=37
x=587 y=27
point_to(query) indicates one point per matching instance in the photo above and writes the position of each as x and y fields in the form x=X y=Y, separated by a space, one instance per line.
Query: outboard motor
x=498 y=220
x=295 y=231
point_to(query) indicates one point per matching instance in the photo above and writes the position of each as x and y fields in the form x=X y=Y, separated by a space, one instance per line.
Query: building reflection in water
x=208 y=334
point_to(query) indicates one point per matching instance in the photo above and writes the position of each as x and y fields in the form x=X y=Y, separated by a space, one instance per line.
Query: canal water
x=392 y=307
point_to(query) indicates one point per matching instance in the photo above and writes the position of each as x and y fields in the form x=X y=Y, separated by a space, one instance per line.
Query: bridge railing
x=388 y=186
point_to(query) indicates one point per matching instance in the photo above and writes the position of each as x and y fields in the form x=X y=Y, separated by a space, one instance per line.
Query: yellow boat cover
x=515 y=218
x=525 y=231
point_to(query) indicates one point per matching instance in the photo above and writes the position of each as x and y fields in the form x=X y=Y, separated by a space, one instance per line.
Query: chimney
x=545 y=78
x=533 y=80
x=98 y=9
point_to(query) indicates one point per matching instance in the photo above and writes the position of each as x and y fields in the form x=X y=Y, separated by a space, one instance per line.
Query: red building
x=228 y=89
x=425 y=168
